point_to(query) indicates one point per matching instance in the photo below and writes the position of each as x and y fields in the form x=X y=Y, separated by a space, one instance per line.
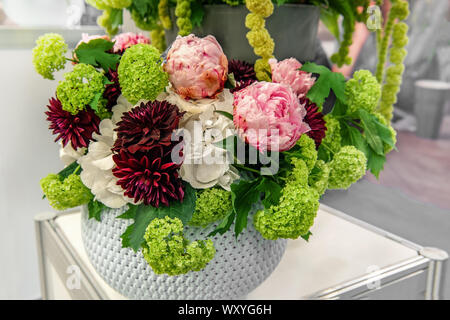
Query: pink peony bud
x=197 y=67
x=287 y=72
x=125 y=40
x=269 y=116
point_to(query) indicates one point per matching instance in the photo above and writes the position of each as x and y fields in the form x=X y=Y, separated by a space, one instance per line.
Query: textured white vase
x=238 y=267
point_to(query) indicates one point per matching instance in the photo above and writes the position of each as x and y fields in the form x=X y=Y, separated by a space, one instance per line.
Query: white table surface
x=337 y=252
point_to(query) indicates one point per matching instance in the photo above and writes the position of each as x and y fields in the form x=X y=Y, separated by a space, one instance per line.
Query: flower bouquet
x=268 y=22
x=191 y=170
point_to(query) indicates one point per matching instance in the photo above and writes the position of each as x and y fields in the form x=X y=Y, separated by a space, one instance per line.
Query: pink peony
x=287 y=72
x=197 y=67
x=125 y=40
x=269 y=116
x=85 y=38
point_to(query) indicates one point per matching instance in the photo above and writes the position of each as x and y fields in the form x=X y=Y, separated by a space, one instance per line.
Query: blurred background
x=411 y=198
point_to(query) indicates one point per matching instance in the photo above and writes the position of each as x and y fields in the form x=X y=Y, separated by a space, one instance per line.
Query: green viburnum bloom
x=49 y=54
x=79 y=87
x=167 y=251
x=183 y=13
x=254 y=21
x=141 y=74
x=263 y=8
x=261 y=41
x=362 y=91
x=67 y=193
x=347 y=167
x=295 y=213
x=308 y=150
x=333 y=136
x=211 y=205
x=105 y=4
x=318 y=178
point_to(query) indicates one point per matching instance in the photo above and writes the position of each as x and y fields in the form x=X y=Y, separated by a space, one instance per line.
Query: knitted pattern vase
x=238 y=267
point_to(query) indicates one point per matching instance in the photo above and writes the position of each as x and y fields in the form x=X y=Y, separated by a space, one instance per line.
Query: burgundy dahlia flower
x=76 y=129
x=112 y=90
x=314 y=118
x=243 y=72
x=147 y=125
x=150 y=177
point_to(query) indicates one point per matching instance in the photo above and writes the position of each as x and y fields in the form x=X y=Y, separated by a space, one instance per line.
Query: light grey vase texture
x=237 y=268
x=293 y=27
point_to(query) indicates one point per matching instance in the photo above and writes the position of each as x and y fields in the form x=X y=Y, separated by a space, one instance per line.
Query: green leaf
x=339 y=109
x=141 y=6
x=94 y=103
x=272 y=192
x=197 y=14
x=224 y=113
x=133 y=236
x=95 y=53
x=352 y=136
x=67 y=171
x=225 y=225
x=307 y=235
x=375 y=163
x=330 y=19
x=95 y=209
x=370 y=127
x=130 y=213
x=384 y=132
x=327 y=80
x=116 y=18
x=243 y=195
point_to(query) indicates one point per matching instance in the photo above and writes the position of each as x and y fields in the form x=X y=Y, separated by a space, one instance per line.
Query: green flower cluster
x=347 y=167
x=105 y=21
x=295 y=213
x=158 y=38
x=67 y=193
x=183 y=14
x=333 y=137
x=144 y=23
x=394 y=72
x=141 y=74
x=398 y=31
x=49 y=54
x=167 y=251
x=362 y=91
x=308 y=152
x=106 y=4
x=79 y=87
x=341 y=57
x=211 y=205
x=164 y=16
x=258 y=36
x=318 y=178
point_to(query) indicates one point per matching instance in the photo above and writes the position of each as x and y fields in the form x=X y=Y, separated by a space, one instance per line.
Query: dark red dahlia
x=314 y=118
x=147 y=125
x=150 y=177
x=76 y=129
x=243 y=72
x=112 y=90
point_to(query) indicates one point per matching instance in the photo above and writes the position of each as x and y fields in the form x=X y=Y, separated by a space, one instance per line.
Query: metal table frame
x=429 y=266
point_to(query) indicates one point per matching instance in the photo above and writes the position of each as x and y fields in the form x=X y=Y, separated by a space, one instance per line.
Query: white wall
x=27 y=153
